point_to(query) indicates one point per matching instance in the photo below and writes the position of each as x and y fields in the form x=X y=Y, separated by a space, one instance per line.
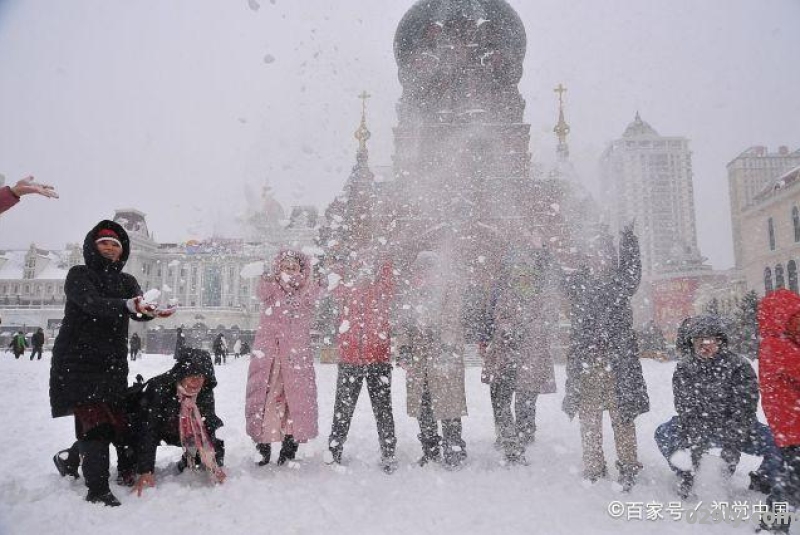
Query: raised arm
x=629 y=273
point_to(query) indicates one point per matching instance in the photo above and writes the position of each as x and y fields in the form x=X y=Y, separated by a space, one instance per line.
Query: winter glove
x=138 y=305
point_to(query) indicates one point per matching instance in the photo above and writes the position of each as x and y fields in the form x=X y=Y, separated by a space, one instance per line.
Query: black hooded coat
x=715 y=398
x=602 y=327
x=90 y=354
x=159 y=411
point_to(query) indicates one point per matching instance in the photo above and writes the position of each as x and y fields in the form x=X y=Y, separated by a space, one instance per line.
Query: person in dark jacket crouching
x=89 y=369
x=177 y=408
x=716 y=397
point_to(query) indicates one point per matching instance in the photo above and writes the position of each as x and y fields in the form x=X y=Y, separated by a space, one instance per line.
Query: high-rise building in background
x=748 y=175
x=647 y=179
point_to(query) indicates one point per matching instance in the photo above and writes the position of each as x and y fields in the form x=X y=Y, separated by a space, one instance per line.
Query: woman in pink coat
x=281 y=403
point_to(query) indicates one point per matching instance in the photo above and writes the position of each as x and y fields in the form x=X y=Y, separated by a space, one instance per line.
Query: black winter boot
x=431 y=450
x=68 y=461
x=759 y=482
x=266 y=451
x=95 y=461
x=288 y=450
x=627 y=475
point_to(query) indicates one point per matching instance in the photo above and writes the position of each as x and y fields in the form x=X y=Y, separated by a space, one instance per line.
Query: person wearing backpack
x=18 y=344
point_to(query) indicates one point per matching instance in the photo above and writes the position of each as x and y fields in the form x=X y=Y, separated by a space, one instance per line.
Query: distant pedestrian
x=37 y=343
x=135 y=345
x=18 y=344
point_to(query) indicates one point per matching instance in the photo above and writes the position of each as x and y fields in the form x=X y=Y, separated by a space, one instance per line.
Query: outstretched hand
x=27 y=186
x=144 y=481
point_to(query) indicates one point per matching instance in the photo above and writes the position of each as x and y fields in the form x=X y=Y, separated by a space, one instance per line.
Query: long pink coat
x=284 y=333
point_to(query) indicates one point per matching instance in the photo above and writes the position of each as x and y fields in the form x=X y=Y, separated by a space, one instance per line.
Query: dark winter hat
x=708 y=326
x=193 y=361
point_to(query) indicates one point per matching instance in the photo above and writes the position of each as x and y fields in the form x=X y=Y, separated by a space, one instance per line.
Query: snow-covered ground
x=547 y=497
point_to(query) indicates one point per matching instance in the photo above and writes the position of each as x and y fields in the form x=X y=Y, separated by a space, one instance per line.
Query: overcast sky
x=172 y=107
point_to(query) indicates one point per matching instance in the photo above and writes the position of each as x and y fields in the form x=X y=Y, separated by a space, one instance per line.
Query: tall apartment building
x=748 y=175
x=647 y=178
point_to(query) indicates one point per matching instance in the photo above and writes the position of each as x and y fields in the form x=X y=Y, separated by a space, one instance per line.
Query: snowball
x=258 y=354
x=268 y=311
x=151 y=296
x=482 y=259
x=555 y=207
x=333 y=281
x=252 y=270
x=682 y=460
x=344 y=327
x=269 y=58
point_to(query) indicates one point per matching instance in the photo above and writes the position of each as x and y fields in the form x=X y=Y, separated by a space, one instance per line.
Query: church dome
x=491 y=24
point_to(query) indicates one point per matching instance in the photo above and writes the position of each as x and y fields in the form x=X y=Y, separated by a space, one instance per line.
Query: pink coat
x=7 y=199
x=284 y=333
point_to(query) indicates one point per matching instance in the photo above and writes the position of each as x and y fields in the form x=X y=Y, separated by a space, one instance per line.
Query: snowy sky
x=173 y=107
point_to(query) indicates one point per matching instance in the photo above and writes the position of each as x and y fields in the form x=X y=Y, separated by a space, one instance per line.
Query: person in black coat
x=135 y=346
x=163 y=414
x=89 y=369
x=37 y=343
x=716 y=398
x=603 y=368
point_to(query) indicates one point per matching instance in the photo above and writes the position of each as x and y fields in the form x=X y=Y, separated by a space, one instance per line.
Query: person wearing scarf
x=177 y=408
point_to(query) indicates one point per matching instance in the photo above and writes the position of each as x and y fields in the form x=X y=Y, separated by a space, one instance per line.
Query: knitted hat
x=107 y=234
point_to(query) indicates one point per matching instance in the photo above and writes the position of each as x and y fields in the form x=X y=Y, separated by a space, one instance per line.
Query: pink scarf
x=194 y=437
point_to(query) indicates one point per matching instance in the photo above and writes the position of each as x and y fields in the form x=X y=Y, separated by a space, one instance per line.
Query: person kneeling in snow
x=177 y=408
x=716 y=397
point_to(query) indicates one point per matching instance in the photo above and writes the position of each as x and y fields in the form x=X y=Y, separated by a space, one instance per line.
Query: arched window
x=779 y=282
x=796 y=223
x=767 y=280
x=791 y=272
x=771 y=232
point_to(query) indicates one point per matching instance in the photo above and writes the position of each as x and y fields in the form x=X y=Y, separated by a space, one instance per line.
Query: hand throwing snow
x=27 y=186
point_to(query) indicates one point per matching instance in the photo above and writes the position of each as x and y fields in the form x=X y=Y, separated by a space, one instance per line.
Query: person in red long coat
x=779 y=380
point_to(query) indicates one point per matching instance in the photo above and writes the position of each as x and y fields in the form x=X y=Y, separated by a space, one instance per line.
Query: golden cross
x=364 y=96
x=560 y=90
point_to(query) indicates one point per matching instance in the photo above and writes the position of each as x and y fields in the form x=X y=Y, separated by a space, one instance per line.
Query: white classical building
x=213 y=280
x=770 y=235
x=748 y=174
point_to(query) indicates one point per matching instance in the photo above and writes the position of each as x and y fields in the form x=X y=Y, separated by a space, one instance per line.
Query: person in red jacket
x=364 y=297
x=779 y=380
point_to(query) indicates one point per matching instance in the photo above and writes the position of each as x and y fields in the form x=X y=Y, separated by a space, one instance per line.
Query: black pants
x=429 y=429
x=36 y=350
x=518 y=424
x=379 y=387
